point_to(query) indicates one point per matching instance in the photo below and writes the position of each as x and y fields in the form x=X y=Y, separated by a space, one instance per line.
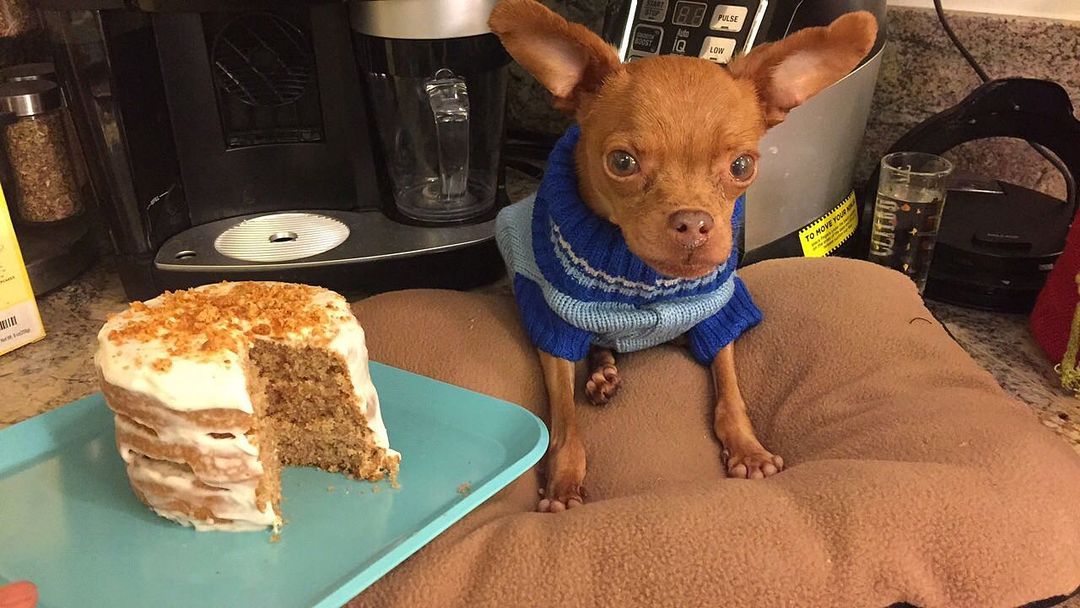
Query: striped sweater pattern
x=576 y=283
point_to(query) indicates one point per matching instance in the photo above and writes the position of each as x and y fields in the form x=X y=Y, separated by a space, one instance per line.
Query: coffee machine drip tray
x=281 y=237
x=307 y=239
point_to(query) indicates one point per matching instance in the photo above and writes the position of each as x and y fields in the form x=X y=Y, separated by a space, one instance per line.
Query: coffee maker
x=341 y=144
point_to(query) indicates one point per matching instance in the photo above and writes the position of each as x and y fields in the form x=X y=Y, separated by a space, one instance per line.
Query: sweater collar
x=586 y=256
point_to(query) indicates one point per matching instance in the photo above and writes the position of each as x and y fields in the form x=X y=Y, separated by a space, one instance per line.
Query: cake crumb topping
x=226 y=317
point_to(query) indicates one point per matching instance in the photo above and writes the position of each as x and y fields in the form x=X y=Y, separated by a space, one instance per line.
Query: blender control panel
x=709 y=29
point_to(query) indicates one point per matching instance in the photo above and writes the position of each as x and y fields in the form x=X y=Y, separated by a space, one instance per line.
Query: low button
x=717 y=49
x=727 y=18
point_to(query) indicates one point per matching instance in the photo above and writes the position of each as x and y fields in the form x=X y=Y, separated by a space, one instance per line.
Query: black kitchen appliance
x=271 y=139
x=802 y=202
x=998 y=241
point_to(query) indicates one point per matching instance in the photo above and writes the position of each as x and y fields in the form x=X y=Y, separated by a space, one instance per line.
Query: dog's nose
x=690 y=228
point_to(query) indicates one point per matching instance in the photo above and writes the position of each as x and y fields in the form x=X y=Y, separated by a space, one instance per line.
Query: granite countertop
x=1003 y=345
x=58 y=370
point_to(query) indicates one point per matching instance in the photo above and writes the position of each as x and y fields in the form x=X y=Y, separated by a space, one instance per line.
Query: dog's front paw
x=603 y=380
x=602 y=385
x=753 y=463
x=561 y=497
x=565 y=474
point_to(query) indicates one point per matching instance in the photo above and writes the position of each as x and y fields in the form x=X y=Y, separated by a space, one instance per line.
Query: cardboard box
x=20 y=321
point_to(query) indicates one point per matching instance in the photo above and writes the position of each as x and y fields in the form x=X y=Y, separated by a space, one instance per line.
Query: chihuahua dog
x=628 y=243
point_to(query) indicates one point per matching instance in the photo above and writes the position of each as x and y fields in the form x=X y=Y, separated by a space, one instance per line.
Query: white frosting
x=229 y=458
x=194 y=382
x=351 y=343
x=233 y=501
x=190 y=384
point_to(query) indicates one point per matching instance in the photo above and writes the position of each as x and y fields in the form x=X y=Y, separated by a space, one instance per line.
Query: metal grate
x=280 y=237
x=263 y=60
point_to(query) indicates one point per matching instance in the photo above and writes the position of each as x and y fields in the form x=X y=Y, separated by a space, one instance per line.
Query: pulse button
x=727 y=18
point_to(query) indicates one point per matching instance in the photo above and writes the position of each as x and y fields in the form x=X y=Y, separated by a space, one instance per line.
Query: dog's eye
x=622 y=163
x=742 y=168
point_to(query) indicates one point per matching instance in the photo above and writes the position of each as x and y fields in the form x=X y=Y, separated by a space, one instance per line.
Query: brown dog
x=666 y=146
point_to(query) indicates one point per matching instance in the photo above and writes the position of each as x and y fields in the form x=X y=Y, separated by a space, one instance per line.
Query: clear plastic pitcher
x=440 y=132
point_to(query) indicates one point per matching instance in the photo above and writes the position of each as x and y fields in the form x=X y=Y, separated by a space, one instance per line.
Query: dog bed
x=912 y=478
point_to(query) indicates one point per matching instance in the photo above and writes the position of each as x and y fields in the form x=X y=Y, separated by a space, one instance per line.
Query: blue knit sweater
x=577 y=283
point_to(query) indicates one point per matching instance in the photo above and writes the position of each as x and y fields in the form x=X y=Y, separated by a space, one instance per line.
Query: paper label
x=20 y=322
x=825 y=234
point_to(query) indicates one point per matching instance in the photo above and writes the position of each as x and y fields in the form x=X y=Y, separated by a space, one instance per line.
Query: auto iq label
x=828 y=232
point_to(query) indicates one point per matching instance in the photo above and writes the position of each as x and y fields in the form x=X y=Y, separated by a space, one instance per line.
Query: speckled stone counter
x=58 y=369
x=1003 y=346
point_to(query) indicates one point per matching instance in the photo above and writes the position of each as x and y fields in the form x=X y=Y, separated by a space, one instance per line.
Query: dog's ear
x=566 y=58
x=788 y=72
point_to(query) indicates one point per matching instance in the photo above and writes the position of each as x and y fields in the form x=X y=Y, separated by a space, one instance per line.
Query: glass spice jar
x=47 y=71
x=39 y=157
x=17 y=17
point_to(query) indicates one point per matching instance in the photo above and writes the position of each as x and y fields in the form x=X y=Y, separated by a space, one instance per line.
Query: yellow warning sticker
x=825 y=234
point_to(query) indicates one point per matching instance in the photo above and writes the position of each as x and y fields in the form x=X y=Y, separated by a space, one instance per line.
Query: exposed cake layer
x=307 y=398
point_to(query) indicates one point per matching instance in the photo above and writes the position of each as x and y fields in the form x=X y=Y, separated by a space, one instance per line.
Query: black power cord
x=1070 y=180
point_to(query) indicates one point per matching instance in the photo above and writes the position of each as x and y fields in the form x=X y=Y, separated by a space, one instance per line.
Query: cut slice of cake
x=216 y=388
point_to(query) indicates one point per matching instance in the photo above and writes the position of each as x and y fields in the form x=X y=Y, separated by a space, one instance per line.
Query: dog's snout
x=690 y=228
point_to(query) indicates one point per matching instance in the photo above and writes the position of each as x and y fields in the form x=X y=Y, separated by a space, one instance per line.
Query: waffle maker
x=998 y=241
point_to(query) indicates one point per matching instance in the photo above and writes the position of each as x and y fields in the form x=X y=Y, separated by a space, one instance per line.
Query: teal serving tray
x=70 y=523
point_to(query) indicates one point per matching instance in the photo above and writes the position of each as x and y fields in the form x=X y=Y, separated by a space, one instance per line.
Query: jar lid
x=28 y=71
x=421 y=19
x=30 y=97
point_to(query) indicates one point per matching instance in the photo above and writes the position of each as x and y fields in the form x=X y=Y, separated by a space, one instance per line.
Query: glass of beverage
x=907 y=212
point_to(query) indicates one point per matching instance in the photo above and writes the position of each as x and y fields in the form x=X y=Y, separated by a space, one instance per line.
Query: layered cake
x=216 y=388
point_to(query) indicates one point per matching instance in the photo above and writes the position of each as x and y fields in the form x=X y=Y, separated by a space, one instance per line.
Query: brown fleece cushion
x=912 y=477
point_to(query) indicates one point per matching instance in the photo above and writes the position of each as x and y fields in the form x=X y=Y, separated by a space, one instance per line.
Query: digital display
x=689 y=14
